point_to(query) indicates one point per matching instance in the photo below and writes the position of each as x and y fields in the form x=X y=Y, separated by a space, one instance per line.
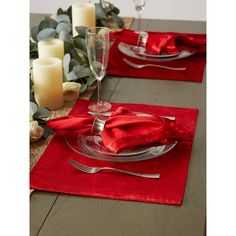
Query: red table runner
x=53 y=173
x=195 y=65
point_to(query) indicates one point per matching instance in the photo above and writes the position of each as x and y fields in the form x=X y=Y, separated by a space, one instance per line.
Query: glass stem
x=139 y=27
x=98 y=98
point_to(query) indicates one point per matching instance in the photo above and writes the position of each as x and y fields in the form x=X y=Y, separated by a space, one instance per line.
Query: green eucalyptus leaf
x=74 y=54
x=47 y=23
x=32 y=98
x=108 y=7
x=63 y=18
x=51 y=22
x=33 y=50
x=33 y=108
x=79 y=43
x=31 y=63
x=66 y=63
x=62 y=26
x=41 y=122
x=116 y=10
x=91 y=79
x=81 y=53
x=65 y=36
x=41 y=113
x=47 y=131
x=100 y=13
x=68 y=47
x=105 y=24
x=64 y=78
x=34 y=32
x=71 y=76
x=46 y=34
x=81 y=30
x=97 y=66
x=60 y=11
x=83 y=88
x=117 y=20
x=33 y=46
x=69 y=12
x=73 y=63
x=81 y=71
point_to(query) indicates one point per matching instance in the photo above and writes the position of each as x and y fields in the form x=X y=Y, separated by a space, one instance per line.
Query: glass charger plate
x=127 y=50
x=91 y=147
x=142 y=52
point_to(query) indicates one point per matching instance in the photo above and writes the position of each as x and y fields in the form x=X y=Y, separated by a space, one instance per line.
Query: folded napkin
x=168 y=42
x=124 y=129
x=71 y=125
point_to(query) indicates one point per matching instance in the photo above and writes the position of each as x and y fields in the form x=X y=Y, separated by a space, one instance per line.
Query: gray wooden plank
x=177 y=26
x=73 y=215
x=40 y=205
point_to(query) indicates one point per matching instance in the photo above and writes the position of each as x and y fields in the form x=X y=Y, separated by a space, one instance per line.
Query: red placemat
x=195 y=66
x=53 y=173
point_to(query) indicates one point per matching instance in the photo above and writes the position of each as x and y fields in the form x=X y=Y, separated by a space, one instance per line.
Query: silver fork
x=154 y=65
x=92 y=170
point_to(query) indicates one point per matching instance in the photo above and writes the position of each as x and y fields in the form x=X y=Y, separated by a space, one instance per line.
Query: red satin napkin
x=124 y=129
x=158 y=42
x=53 y=173
x=165 y=42
x=72 y=125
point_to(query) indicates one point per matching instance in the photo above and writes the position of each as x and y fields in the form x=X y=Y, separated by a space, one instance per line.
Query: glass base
x=101 y=107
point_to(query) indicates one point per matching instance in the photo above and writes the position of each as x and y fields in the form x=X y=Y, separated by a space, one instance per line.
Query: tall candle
x=48 y=78
x=83 y=14
x=51 y=48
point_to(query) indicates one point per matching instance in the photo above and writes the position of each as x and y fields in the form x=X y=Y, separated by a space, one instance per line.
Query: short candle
x=83 y=14
x=51 y=48
x=48 y=79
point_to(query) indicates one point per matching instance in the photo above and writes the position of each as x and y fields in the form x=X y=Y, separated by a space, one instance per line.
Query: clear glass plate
x=127 y=50
x=142 y=51
x=94 y=144
x=92 y=147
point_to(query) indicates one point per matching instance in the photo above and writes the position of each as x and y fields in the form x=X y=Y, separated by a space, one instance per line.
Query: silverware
x=153 y=65
x=92 y=170
x=138 y=113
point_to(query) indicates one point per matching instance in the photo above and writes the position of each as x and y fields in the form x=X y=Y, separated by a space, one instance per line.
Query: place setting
x=157 y=55
x=67 y=165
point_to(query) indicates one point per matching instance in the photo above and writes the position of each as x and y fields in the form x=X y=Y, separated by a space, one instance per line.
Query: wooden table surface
x=53 y=214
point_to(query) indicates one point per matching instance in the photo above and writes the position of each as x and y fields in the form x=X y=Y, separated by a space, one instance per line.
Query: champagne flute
x=139 y=6
x=97 y=42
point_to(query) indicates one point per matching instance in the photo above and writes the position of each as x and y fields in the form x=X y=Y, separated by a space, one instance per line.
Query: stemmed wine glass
x=97 y=42
x=139 y=6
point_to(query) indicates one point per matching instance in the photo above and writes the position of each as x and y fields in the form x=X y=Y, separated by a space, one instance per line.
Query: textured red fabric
x=53 y=173
x=195 y=64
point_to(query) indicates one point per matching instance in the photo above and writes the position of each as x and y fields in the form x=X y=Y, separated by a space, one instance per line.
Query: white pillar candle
x=83 y=14
x=51 y=48
x=48 y=78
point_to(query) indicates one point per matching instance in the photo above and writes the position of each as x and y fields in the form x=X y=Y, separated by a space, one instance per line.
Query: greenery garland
x=75 y=62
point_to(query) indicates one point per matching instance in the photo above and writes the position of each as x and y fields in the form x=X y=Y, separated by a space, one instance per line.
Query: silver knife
x=93 y=113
